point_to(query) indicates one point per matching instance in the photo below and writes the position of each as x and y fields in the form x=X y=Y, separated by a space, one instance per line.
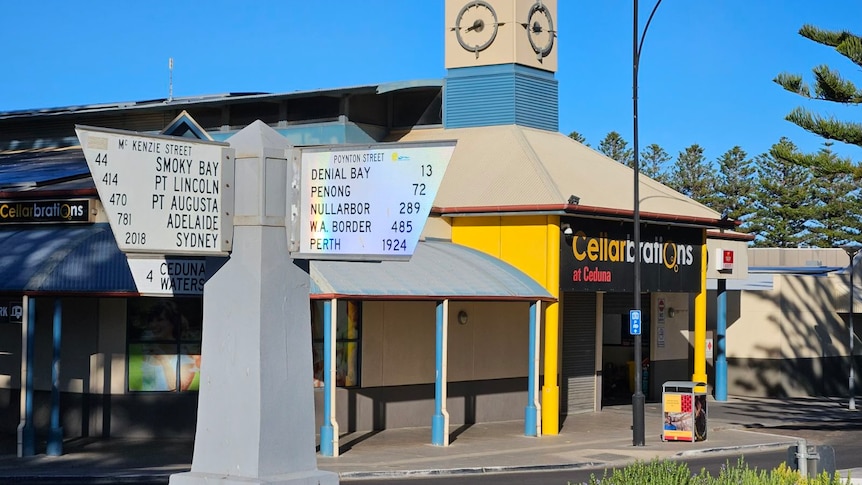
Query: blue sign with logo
x=635 y=322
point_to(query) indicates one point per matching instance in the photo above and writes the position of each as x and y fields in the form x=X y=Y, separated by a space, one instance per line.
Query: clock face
x=476 y=26
x=540 y=30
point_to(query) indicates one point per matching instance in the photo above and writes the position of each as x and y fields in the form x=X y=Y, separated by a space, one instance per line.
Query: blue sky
x=705 y=74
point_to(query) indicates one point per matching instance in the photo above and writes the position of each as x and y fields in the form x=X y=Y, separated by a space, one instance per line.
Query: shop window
x=163 y=344
x=347 y=342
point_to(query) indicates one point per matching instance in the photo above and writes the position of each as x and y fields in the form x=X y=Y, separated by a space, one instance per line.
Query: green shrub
x=666 y=472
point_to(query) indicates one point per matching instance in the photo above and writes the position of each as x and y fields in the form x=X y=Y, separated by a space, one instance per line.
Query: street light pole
x=638 y=399
x=851 y=250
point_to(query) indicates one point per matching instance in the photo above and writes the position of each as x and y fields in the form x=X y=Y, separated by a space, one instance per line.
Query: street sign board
x=634 y=322
x=367 y=202
x=163 y=194
x=167 y=276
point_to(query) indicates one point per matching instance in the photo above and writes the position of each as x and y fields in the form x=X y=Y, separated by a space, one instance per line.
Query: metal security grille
x=579 y=353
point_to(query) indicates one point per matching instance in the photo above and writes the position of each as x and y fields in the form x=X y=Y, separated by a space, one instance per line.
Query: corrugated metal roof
x=38 y=169
x=62 y=259
x=218 y=99
x=437 y=270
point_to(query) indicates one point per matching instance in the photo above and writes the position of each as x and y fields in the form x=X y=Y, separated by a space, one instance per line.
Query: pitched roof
x=513 y=166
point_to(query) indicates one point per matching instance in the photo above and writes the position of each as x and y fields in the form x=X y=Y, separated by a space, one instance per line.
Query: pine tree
x=733 y=191
x=691 y=176
x=784 y=199
x=578 y=138
x=652 y=162
x=837 y=204
x=614 y=146
x=829 y=85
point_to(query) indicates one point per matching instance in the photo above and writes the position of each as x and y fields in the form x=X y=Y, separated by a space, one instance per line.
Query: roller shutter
x=579 y=353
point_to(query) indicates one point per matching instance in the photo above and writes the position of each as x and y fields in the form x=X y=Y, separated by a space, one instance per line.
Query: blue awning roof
x=437 y=270
x=85 y=259
x=63 y=259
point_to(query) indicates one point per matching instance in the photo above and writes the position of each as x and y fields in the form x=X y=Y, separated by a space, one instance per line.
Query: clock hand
x=478 y=25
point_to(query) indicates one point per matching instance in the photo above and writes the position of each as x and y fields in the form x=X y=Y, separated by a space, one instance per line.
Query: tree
x=837 y=204
x=733 y=190
x=691 y=176
x=828 y=86
x=784 y=199
x=614 y=146
x=578 y=138
x=652 y=162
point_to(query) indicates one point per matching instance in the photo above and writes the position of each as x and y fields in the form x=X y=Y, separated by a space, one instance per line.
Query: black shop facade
x=597 y=262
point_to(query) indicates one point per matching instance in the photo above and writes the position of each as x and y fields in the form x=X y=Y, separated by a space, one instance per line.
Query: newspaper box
x=683 y=405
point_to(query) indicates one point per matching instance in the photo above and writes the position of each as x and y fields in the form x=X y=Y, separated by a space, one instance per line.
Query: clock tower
x=500 y=57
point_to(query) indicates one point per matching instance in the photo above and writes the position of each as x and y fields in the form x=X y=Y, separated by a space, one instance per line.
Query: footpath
x=587 y=441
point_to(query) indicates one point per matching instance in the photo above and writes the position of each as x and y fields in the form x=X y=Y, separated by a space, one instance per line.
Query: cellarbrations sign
x=599 y=255
x=45 y=211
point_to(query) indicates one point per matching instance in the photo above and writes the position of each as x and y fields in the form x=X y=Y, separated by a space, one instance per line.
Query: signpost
x=168 y=196
x=368 y=202
x=162 y=194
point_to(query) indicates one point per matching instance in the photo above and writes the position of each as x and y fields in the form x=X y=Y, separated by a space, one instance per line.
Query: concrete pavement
x=593 y=440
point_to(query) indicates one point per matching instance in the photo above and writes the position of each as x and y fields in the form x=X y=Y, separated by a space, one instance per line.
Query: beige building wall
x=398 y=342
x=783 y=341
x=799 y=257
x=793 y=320
x=676 y=328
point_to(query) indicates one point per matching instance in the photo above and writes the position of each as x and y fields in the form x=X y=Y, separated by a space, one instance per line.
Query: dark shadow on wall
x=804 y=358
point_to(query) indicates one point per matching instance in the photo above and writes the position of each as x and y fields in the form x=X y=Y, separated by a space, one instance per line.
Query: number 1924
x=395 y=245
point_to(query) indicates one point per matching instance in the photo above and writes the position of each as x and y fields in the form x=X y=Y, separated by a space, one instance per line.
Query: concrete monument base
x=312 y=477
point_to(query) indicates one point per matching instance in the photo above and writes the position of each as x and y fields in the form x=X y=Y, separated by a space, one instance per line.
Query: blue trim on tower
x=504 y=94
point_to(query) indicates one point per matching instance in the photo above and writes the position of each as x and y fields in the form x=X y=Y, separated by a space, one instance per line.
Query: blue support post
x=326 y=430
x=438 y=422
x=55 y=435
x=721 y=342
x=531 y=413
x=27 y=440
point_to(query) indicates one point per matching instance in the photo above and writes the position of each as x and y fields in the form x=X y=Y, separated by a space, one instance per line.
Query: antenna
x=171 y=79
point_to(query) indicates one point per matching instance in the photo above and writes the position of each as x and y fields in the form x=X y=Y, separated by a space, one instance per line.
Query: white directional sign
x=163 y=194
x=161 y=276
x=367 y=202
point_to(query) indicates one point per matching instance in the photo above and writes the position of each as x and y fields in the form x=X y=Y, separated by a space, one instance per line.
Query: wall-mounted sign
x=724 y=260
x=11 y=311
x=45 y=211
x=600 y=256
x=367 y=202
x=163 y=194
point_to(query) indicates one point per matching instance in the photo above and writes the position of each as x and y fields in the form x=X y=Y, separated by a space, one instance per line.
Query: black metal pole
x=851 y=250
x=852 y=379
x=638 y=399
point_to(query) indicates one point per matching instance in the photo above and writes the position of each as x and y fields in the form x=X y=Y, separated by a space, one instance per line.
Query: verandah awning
x=63 y=259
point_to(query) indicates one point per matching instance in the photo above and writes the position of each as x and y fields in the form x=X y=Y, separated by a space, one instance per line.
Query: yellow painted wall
x=521 y=241
x=531 y=244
